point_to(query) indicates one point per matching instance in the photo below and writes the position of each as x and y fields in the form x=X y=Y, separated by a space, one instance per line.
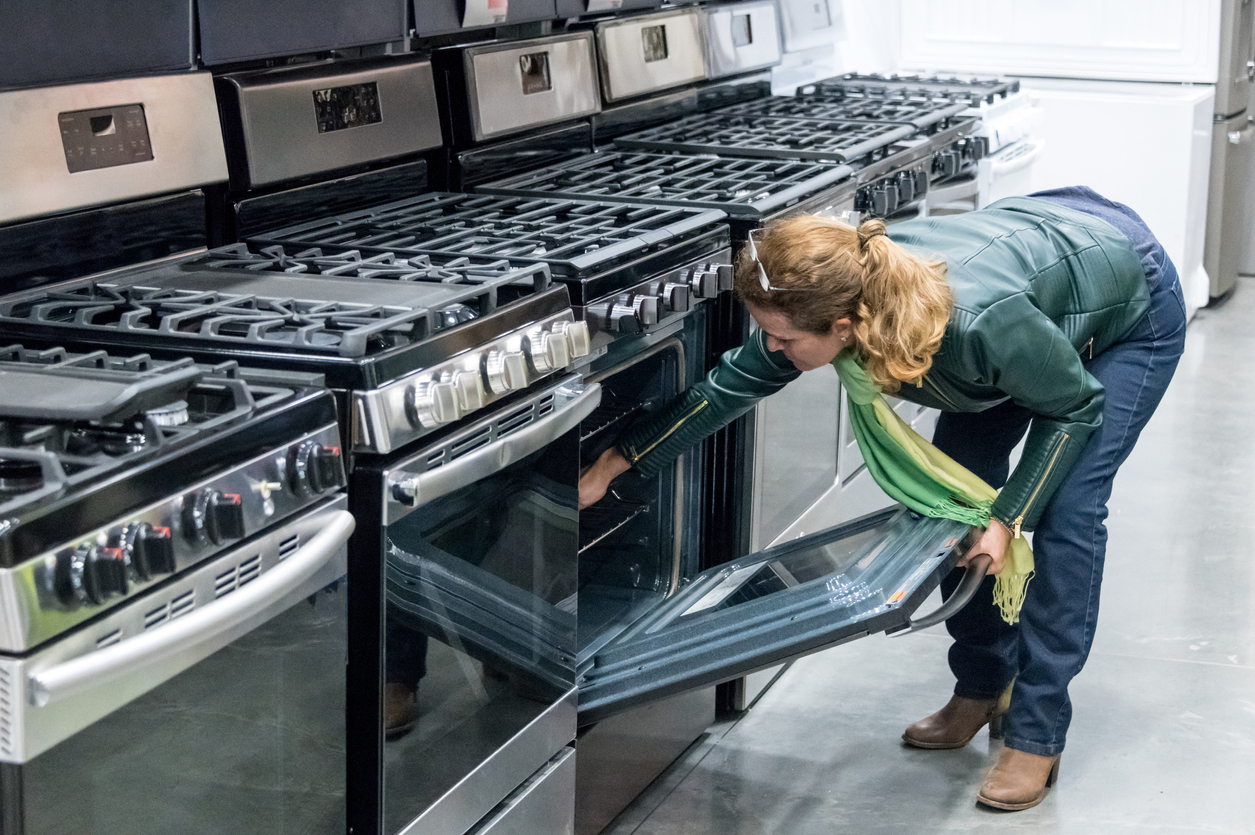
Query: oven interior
x=639 y=543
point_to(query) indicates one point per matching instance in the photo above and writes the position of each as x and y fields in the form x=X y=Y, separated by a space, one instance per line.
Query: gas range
x=650 y=262
x=413 y=342
x=120 y=470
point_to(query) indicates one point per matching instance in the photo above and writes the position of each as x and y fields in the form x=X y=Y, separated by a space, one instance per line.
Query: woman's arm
x=743 y=376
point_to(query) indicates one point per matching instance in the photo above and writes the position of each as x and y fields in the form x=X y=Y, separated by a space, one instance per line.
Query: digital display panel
x=654 y=39
x=352 y=106
x=535 y=68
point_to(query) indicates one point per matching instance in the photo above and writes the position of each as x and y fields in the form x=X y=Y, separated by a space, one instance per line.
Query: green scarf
x=925 y=479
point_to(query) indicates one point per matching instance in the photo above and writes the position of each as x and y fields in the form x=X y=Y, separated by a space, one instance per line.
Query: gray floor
x=1163 y=738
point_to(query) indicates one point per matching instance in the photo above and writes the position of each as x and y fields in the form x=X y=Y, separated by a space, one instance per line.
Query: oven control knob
x=705 y=282
x=615 y=317
x=675 y=297
x=921 y=181
x=326 y=471
x=646 y=310
x=505 y=371
x=548 y=350
x=434 y=403
x=946 y=163
x=884 y=199
x=469 y=386
x=726 y=274
x=313 y=468
x=151 y=551
x=578 y=341
x=906 y=186
x=224 y=516
x=89 y=574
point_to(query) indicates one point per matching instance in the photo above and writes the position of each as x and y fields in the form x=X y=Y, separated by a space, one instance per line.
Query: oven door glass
x=481 y=624
x=866 y=576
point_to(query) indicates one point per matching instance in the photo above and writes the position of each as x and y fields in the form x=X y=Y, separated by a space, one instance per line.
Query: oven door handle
x=252 y=602
x=410 y=490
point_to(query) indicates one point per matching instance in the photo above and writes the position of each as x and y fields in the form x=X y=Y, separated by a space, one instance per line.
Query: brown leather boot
x=1018 y=780
x=400 y=710
x=955 y=724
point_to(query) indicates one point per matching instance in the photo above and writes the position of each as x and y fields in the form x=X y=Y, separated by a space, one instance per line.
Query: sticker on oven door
x=604 y=5
x=724 y=590
x=485 y=12
x=915 y=579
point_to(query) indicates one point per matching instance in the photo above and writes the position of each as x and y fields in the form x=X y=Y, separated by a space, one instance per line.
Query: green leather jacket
x=1038 y=290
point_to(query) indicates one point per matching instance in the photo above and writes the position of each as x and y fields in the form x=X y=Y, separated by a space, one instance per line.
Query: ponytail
x=899 y=303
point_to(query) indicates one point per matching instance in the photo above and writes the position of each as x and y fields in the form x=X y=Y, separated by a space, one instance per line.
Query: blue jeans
x=1052 y=640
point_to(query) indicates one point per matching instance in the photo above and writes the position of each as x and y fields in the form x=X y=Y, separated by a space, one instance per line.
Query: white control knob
x=434 y=403
x=577 y=338
x=505 y=370
x=470 y=390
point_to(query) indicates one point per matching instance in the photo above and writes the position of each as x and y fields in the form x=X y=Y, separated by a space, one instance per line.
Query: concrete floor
x=1163 y=737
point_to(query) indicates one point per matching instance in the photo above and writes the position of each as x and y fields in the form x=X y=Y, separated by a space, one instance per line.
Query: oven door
x=215 y=703
x=481 y=546
x=791 y=600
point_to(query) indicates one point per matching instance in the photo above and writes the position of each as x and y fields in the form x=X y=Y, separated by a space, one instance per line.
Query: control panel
x=650 y=303
x=104 y=137
x=412 y=406
x=958 y=157
x=885 y=196
x=152 y=543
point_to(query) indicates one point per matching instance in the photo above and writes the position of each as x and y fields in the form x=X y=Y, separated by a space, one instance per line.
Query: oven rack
x=607 y=516
x=612 y=412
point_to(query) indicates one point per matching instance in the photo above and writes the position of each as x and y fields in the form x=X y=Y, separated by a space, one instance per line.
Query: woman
x=1057 y=314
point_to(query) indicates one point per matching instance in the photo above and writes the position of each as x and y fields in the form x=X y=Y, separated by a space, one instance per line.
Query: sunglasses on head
x=762 y=274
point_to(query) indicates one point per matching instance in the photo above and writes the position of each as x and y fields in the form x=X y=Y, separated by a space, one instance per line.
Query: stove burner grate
x=839 y=140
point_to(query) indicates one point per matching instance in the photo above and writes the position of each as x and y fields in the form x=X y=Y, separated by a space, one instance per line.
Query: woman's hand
x=596 y=479
x=994 y=542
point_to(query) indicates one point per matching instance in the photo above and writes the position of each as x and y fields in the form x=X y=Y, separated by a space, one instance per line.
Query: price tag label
x=485 y=12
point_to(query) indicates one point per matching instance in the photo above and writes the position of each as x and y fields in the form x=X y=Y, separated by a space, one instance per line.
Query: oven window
x=480 y=623
x=251 y=739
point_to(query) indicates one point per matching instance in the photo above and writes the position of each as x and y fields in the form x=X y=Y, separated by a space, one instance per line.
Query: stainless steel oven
x=479 y=534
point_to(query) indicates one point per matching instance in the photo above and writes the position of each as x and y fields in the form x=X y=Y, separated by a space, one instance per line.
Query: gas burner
x=112 y=441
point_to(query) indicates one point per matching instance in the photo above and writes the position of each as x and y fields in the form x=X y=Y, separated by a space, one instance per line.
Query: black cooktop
x=360 y=318
x=601 y=243
x=733 y=134
x=970 y=91
x=128 y=428
x=902 y=107
x=743 y=188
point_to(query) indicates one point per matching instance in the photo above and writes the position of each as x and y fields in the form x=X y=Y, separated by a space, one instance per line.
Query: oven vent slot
x=231 y=579
x=479 y=439
x=157 y=616
x=183 y=604
x=604 y=518
x=7 y=700
x=289 y=546
x=109 y=640
x=250 y=569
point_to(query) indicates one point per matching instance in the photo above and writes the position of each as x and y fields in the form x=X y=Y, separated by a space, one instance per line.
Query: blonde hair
x=822 y=269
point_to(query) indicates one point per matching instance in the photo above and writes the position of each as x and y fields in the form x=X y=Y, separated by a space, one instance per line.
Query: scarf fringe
x=1009 y=592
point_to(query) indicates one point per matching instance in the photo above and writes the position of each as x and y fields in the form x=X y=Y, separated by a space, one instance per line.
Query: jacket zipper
x=1090 y=346
x=1018 y=524
x=683 y=419
x=940 y=393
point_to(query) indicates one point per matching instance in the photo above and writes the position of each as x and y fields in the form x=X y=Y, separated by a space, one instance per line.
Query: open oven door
x=865 y=576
